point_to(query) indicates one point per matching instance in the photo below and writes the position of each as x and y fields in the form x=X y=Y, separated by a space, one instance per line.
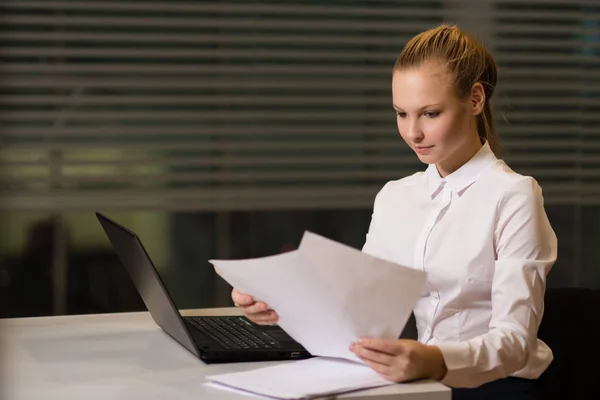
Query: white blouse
x=484 y=239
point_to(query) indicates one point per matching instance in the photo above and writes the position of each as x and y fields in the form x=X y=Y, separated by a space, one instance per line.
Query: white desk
x=126 y=356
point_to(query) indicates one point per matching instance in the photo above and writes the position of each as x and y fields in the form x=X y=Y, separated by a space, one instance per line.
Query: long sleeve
x=374 y=243
x=526 y=249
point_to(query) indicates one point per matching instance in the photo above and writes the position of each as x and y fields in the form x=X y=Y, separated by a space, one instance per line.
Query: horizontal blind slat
x=307 y=39
x=169 y=83
x=222 y=7
x=240 y=145
x=263 y=24
x=200 y=130
x=229 y=115
x=175 y=54
x=194 y=99
x=197 y=69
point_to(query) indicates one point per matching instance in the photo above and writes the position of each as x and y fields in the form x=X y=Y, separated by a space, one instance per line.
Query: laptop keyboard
x=234 y=333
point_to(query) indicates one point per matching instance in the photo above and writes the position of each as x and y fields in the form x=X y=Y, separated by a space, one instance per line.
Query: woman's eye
x=401 y=114
x=431 y=114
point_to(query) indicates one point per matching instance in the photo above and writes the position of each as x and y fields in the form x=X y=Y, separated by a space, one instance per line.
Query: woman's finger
x=264 y=317
x=372 y=355
x=241 y=299
x=383 y=370
x=255 y=308
x=391 y=347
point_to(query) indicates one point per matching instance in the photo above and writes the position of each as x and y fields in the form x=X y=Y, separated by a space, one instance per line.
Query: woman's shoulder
x=511 y=183
x=400 y=185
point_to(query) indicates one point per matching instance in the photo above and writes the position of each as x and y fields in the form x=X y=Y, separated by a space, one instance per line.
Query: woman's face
x=432 y=120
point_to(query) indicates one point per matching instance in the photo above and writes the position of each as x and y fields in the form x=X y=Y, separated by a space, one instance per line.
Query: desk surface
x=126 y=356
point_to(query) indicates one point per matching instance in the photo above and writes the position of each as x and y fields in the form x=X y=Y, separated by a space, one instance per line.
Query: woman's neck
x=460 y=158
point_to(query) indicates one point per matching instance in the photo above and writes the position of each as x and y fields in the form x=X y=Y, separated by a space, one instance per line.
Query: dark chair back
x=571 y=327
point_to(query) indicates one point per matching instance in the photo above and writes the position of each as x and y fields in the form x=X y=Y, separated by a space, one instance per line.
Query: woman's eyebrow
x=422 y=108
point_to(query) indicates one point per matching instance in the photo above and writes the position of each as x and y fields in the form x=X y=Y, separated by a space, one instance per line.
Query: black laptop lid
x=138 y=264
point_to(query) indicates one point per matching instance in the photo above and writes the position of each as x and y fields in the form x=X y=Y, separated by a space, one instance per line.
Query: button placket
x=421 y=246
x=421 y=251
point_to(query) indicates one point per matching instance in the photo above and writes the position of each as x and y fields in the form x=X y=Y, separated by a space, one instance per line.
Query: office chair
x=571 y=327
x=410 y=330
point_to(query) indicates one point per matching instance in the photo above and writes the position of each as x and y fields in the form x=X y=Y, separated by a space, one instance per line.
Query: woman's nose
x=413 y=133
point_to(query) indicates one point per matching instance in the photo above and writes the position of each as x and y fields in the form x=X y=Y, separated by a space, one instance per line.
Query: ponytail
x=485 y=128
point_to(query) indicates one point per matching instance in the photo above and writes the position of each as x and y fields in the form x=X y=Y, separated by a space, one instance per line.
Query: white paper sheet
x=328 y=294
x=304 y=379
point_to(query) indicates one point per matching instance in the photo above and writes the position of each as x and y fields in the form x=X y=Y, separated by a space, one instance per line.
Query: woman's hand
x=256 y=311
x=401 y=360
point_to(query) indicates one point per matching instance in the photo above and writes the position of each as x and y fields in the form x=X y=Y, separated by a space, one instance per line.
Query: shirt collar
x=462 y=177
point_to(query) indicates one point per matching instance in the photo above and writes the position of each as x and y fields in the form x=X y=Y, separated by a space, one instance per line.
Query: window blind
x=240 y=105
x=202 y=105
x=547 y=52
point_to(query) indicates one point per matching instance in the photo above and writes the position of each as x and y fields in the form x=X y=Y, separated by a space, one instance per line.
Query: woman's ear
x=477 y=100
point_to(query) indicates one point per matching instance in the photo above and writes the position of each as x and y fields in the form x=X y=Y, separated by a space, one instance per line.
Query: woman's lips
x=422 y=149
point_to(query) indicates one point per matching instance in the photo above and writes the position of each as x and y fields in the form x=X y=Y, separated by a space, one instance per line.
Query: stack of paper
x=304 y=379
x=327 y=295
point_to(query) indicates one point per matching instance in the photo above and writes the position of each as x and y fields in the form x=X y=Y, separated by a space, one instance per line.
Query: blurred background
x=228 y=128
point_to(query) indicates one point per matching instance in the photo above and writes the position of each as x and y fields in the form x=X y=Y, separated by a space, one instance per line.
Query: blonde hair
x=467 y=61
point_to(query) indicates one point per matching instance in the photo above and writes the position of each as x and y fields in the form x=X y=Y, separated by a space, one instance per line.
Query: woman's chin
x=427 y=158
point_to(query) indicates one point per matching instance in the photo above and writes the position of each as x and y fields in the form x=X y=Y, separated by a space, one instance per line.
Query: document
x=305 y=379
x=327 y=295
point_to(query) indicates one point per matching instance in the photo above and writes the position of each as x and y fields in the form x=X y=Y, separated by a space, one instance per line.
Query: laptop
x=213 y=339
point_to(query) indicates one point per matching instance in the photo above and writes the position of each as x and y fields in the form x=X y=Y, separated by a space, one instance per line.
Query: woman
x=476 y=227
